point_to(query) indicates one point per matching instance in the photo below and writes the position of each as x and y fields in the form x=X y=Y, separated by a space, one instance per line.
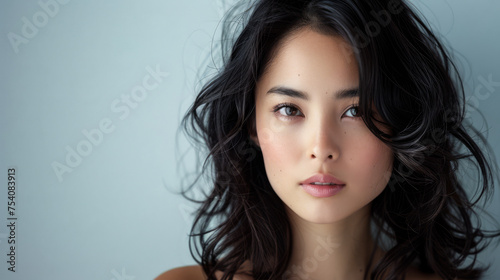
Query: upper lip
x=322 y=178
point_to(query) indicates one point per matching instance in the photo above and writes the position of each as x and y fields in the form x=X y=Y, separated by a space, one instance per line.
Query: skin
x=320 y=133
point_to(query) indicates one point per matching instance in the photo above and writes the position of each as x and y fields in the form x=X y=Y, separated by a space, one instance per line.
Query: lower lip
x=322 y=191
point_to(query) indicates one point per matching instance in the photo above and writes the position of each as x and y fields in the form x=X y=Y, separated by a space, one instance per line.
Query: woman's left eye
x=352 y=112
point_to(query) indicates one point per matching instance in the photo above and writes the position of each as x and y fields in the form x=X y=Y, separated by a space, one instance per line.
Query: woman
x=335 y=136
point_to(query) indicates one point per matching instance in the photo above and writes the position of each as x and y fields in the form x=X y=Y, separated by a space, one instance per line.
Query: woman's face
x=307 y=124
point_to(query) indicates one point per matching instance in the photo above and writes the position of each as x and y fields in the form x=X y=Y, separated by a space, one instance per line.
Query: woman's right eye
x=287 y=110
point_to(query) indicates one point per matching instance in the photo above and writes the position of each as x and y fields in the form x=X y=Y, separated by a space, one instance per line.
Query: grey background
x=113 y=216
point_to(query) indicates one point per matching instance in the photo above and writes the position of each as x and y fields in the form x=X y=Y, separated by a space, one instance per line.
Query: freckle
x=299 y=75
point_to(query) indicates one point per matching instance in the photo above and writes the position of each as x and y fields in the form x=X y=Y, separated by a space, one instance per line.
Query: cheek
x=371 y=162
x=280 y=150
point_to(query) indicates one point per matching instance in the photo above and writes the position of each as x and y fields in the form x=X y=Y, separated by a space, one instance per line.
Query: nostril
x=329 y=156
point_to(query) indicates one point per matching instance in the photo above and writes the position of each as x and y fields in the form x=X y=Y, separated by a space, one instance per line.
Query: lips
x=322 y=179
x=322 y=185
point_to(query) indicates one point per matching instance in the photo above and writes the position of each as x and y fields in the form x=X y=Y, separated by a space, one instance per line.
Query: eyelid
x=351 y=107
x=284 y=105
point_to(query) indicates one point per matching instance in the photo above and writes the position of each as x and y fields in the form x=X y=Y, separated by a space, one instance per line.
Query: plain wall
x=111 y=214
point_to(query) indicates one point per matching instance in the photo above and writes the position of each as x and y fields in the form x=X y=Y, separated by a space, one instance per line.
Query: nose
x=324 y=144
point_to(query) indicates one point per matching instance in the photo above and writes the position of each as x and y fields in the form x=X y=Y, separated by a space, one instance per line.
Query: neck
x=339 y=250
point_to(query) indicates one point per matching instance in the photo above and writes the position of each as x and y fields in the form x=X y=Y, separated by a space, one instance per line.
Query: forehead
x=306 y=58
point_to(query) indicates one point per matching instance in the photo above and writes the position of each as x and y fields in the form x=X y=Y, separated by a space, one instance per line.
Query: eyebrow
x=340 y=94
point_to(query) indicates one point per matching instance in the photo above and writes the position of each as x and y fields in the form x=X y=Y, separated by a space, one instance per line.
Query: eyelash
x=294 y=108
x=285 y=105
x=358 y=114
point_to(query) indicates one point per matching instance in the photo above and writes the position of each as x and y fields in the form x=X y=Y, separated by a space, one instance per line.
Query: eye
x=352 y=112
x=287 y=110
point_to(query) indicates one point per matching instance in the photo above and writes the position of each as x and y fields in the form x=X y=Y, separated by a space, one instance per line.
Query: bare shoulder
x=191 y=272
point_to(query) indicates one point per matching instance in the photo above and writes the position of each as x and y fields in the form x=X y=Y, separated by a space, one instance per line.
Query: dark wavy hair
x=406 y=75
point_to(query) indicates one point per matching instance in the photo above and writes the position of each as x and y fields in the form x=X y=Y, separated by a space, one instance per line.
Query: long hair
x=408 y=78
